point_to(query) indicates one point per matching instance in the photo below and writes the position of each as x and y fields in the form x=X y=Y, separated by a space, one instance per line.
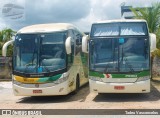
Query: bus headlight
x=60 y=80
x=96 y=79
x=143 y=78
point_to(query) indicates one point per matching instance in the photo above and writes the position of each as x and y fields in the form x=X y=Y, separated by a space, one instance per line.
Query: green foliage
x=156 y=53
x=152 y=16
x=6 y=35
x=0 y=49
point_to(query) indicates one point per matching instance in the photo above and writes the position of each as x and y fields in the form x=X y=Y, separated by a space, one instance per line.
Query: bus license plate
x=119 y=87
x=37 y=91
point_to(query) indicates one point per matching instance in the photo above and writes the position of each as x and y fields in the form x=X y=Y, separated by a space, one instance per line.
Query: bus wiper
x=129 y=65
x=40 y=62
x=105 y=69
x=47 y=69
x=126 y=61
x=27 y=65
x=33 y=56
x=32 y=59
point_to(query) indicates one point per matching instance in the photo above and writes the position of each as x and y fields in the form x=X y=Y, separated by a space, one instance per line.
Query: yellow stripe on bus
x=26 y=80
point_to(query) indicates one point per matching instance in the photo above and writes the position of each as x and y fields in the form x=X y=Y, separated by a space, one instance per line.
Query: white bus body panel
x=153 y=42
x=136 y=87
x=60 y=89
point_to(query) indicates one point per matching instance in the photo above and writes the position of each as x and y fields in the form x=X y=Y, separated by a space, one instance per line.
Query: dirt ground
x=82 y=100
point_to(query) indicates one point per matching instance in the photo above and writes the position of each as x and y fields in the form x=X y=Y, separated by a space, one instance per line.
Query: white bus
x=48 y=60
x=119 y=56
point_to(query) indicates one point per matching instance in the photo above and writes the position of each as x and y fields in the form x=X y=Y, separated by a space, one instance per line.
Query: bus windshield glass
x=119 y=54
x=39 y=53
x=119 y=29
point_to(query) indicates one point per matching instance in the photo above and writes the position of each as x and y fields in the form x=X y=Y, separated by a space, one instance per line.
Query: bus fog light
x=61 y=89
x=143 y=78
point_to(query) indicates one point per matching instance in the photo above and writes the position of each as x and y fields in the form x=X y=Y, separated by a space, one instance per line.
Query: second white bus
x=119 y=56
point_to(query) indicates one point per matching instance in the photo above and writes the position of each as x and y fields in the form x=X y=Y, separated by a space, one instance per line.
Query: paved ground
x=82 y=100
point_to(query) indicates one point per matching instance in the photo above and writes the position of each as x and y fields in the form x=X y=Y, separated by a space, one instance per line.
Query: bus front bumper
x=59 y=89
x=136 y=87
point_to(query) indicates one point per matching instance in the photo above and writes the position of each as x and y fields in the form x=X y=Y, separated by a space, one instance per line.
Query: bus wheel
x=77 y=85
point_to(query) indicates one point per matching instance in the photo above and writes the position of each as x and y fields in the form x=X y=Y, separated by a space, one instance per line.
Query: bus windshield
x=119 y=29
x=119 y=54
x=39 y=53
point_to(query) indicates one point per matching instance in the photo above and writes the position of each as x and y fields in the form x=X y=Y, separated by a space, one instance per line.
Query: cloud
x=80 y=13
x=107 y=10
x=50 y=11
x=56 y=10
x=2 y=24
x=140 y=3
x=100 y=10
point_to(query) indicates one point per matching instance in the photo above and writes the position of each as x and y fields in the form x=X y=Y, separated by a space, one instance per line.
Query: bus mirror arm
x=68 y=45
x=85 y=44
x=4 y=48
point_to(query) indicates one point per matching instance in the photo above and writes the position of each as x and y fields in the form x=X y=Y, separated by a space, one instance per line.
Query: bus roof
x=52 y=27
x=120 y=20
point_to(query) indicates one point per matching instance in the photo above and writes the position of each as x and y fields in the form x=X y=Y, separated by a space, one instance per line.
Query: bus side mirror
x=85 y=44
x=68 y=45
x=4 y=48
x=152 y=42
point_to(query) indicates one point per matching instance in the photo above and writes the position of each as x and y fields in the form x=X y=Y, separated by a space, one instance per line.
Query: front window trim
x=44 y=74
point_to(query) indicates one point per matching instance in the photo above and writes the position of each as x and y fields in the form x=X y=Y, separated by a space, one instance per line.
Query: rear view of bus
x=119 y=56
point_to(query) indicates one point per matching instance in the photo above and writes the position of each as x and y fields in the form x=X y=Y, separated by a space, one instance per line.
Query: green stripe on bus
x=129 y=75
x=49 y=79
x=96 y=74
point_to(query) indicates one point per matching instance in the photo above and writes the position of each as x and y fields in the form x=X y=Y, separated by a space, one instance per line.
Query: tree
x=152 y=16
x=6 y=35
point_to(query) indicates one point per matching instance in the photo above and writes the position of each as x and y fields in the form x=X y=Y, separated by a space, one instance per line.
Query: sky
x=81 y=13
